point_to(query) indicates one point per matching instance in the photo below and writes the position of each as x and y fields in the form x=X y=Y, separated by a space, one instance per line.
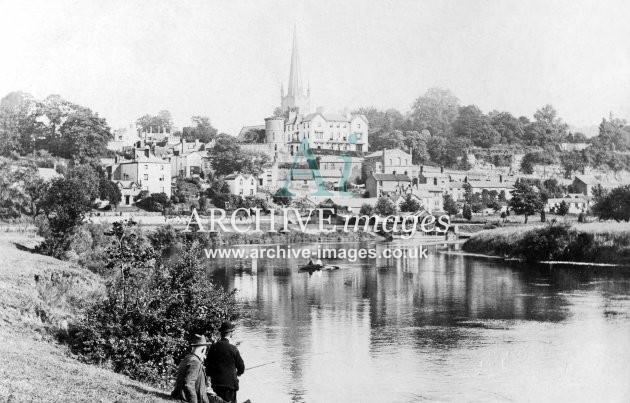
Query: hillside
x=37 y=293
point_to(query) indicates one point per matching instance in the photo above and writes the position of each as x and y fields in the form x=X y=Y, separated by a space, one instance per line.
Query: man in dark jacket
x=225 y=365
x=190 y=384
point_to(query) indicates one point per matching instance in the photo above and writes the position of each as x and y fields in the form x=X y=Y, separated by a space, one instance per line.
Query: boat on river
x=317 y=267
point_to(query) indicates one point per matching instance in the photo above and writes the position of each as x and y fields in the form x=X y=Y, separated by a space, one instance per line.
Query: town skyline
x=235 y=76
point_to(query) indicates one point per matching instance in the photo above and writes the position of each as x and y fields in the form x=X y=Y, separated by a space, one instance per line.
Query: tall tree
x=435 y=111
x=201 y=130
x=525 y=199
x=473 y=125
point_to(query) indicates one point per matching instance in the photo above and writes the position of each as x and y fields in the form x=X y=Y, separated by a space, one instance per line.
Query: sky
x=227 y=59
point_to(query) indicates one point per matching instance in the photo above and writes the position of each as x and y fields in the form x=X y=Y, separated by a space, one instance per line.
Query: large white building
x=323 y=131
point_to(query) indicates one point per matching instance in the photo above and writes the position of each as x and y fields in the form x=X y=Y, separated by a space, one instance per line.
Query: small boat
x=316 y=267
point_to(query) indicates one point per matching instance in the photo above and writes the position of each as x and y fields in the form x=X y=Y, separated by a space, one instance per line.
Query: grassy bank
x=593 y=243
x=39 y=295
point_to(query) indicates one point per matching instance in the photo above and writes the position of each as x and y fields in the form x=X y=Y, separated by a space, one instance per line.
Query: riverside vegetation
x=592 y=243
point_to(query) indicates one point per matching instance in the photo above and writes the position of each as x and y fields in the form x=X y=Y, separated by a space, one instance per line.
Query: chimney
x=441 y=169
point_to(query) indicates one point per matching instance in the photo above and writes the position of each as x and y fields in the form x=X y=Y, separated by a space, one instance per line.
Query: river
x=443 y=328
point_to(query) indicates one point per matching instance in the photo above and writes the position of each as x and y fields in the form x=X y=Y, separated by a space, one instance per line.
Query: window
x=119 y=137
x=162 y=178
x=161 y=167
x=391 y=162
x=146 y=177
x=146 y=167
x=251 y=192
x=359 y=126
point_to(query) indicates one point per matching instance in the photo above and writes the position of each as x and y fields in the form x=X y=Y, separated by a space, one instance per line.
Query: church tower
x=295 y=99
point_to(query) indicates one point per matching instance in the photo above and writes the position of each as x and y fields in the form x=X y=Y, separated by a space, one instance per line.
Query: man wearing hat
x=225 y=365
x=190 y=383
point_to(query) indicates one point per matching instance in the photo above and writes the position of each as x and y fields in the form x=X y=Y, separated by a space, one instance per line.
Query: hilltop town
x=439 y=157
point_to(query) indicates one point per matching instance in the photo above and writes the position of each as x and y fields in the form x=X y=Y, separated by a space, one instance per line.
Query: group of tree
x=439 y=130
x=228 y=157
x=62 y=128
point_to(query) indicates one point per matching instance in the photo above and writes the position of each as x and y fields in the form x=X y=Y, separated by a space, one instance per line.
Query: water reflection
x=410 y=329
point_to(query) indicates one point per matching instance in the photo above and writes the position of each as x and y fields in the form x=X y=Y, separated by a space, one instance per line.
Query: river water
x=443 y=328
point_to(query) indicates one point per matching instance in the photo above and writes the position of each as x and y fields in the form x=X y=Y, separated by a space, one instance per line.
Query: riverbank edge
x=605 y=237
x=39 y=296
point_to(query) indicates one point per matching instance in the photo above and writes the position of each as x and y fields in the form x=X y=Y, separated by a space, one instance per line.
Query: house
x=378 y=184
x=190 y=164
x=434 y=177
x=576 y=205
x=242 y=184
x=390 y=162
x=498 y=186
x=124 y=138
x=335 y=162
x=153 y=174
x=584 y=184
x=456 y=190
x=128 y=190
x=432 y=197
x=351 y=204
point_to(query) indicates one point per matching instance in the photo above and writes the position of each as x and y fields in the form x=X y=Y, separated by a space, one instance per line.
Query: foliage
x=63 y=205
x=150 y=311
x=410 y=204
x=109 y=191
x=282 y=196
x=227 y=157
x=155 y=202
x=435 y=111
x=202 y=130
x=562 y=209
x=450 y=206
x=366 y=209
x=467 y=211
x=525 y=199
x=614 y=205
x=155 y=123
x=385 y=206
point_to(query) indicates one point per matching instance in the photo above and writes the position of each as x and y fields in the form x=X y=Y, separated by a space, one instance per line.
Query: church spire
x=295 y=79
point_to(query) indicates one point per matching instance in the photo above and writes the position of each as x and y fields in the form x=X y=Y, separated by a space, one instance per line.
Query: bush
x=547 y=243
x=142 y=326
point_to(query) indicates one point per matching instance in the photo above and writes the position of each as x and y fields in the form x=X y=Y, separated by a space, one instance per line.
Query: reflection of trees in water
x=435 y=303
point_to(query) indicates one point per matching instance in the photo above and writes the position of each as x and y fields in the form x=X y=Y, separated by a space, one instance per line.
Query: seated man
x=190 y=382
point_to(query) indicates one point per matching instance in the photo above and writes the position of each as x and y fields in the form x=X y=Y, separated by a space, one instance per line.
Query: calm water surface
x=446 y=328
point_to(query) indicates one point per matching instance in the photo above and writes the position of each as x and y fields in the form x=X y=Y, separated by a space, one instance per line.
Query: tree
x=450 y=206
x=17 y=123
x=525 y=199
x=572 y=161
x=467 y=212
x=64 y=205
x=109 y=191
x=410 y=204
x=563 y=208
x=473 y=125
x=366 y=209
x=509 y=128
x=162 y=121
x=385 y=206
x=614 y=205
x=435 y=111
x=201 y=130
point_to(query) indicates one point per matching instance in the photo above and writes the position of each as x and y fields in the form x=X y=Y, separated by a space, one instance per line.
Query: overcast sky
x=227 y=59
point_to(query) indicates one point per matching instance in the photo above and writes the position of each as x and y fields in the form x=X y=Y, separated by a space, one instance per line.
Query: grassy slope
x=608 y=234
x=32 y=366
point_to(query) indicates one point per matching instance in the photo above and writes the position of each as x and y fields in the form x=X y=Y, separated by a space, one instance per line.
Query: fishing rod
x=296 y=356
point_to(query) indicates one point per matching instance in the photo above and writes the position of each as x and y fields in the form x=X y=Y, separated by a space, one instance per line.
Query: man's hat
x=226 y=327
x=199 y=340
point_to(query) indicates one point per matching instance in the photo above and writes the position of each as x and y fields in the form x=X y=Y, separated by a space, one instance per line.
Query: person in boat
x=310 y=262
x=190 y=382
x=318 y=262
x=225 y=365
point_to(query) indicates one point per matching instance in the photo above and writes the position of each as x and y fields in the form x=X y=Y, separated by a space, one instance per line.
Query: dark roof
x=392 y=177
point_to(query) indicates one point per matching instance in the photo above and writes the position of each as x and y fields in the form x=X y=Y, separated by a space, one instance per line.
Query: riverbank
x=606 y=242
x=39 y=295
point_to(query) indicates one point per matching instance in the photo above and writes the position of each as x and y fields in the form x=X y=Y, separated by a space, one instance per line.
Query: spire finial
x=295 y=84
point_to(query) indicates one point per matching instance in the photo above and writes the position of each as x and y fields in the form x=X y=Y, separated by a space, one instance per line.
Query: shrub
x=142 y=325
